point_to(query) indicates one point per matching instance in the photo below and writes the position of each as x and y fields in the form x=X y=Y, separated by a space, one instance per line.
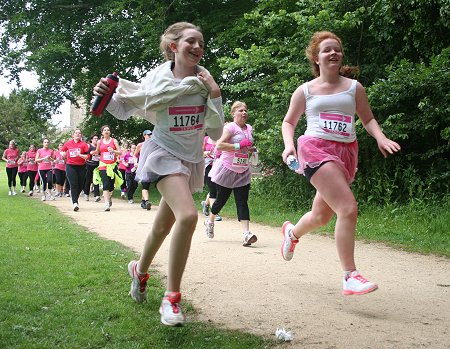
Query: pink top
x=237 y=161
x=23 y=165
x=60 y=162
x=31 y=158
x=121 y=157
x=12 y=154
x=106 y=156
x=45 y=164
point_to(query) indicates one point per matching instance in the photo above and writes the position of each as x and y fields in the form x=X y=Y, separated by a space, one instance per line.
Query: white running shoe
x=205 y=208
x=249 y=239
x=86 y=197
x=130 y=201
x=43 y=197
x=170 y=310
x=107 y=207
x=209 y=228
x=9 y=193
x=75 y=207
x=30 y=193
x=138 y=290
x=97 y=198
x=51 y=197
x=355 y=283
x=14 y=192
x=289 y=241
x=122 y=195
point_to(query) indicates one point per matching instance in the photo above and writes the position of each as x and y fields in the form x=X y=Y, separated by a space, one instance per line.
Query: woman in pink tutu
x=328 y=151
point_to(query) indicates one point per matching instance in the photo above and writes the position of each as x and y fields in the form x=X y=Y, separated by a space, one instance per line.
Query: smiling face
x=189 y=48
x=330 y=54
x=46 y=143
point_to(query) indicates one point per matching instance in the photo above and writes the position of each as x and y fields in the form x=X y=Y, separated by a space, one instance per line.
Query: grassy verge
x=415 y=227
x=64 y=287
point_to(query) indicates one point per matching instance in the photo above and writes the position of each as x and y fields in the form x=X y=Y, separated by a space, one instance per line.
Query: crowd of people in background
x=77 y=168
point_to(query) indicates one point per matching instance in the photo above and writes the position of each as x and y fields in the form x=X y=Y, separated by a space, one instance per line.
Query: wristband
x=236 y=146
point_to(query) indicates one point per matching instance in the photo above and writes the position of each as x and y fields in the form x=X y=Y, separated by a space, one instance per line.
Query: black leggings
x=89 y=177
x=32 y=177
x=60 y=176
x=11 y=172
x=212 y=187
x=23 y=179
x=240 y=197
x=131 y=184
x=108 y=182
x=46 y=178
x=76 y=175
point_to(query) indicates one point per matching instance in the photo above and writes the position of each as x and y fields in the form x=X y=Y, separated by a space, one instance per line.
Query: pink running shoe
x=289 y=241
x=355 y=283
x=170 y=310
x=138 y=289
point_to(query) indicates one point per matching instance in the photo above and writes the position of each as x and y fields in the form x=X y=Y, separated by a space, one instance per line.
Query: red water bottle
x=101 y=102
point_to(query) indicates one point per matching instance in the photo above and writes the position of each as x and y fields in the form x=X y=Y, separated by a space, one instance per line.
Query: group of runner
x=183 y=101
x=77 y=167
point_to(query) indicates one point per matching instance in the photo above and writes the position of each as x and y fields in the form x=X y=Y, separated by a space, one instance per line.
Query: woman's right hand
x=101 y=88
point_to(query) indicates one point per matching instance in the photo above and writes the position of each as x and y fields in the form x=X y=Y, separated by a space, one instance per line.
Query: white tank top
x=331 y=117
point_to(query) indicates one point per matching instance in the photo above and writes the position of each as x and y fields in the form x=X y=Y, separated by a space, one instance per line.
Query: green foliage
x=413 y=106
x=19 y=122
x=255 y=49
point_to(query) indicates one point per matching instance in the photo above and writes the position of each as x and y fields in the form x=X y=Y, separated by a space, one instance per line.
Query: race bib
x=240 y=160
x=31 y=162
x=95 y=157
x=108 y=156
x=62 y=161
x=73 y=153
x=337 y=124
x=186 y=118
x=11 y=162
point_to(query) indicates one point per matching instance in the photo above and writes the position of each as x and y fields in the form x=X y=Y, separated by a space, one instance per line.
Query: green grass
x=64 y=287
x=419 y=227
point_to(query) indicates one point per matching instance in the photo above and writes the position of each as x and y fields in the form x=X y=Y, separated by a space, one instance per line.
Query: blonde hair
x=172 y=34
x=237 y=105
x=312 y=52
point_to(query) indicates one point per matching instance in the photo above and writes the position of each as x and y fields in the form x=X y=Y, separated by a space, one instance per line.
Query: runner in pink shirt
x=109 y=150
x=76 y=152
x=11 y=156
x=22 y=171
x=60 y=171
x=32 y=167
x=122 y=169
x=44 y=157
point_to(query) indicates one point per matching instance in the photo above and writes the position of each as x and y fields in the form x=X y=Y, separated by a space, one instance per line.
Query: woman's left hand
x=388 y=146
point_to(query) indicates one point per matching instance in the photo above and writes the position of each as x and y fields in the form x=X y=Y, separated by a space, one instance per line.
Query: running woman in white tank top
x=327 y=152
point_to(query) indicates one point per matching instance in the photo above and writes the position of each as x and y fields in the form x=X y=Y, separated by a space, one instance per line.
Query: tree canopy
x=255 y=49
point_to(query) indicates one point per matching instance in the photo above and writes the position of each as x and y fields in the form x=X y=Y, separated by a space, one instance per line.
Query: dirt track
x=253 y=289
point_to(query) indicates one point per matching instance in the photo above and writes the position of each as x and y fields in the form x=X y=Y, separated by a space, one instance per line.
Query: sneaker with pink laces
x=289 y=241
x=355 y=283
x=170 y=310
x=138 y=289
x=209 y=228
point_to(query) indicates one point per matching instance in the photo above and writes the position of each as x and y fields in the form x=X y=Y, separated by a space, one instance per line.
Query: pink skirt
x=227 y=178
x=312 y=152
